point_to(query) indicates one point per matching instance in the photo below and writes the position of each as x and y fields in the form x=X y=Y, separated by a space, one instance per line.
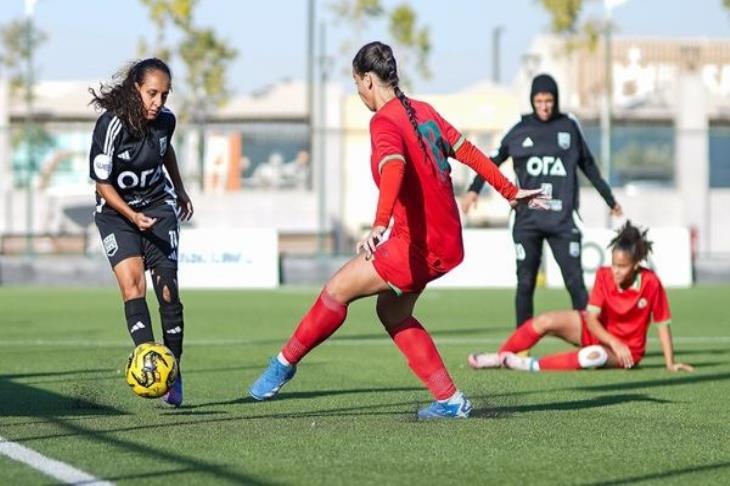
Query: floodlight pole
x=30 y=163
x=496 y=34
x=607 y=99
x=322 y=128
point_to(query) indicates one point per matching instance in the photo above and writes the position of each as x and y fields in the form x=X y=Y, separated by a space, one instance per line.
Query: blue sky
x=90 y=39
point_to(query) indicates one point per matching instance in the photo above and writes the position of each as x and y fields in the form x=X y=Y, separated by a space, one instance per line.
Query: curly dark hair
x=632 y=240
x=121 y=96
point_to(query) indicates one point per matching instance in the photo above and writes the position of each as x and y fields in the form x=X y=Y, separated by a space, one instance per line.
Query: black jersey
x=547 y=155
x=132 y=165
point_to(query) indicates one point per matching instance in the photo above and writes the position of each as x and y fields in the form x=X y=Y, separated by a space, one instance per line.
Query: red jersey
x=627 y=313
x=425 y=212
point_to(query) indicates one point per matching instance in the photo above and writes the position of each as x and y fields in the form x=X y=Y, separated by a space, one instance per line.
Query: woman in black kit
x=141 y=199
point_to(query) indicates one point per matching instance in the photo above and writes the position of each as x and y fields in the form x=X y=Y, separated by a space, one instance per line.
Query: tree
x=411 y=42
x=565 y=22
x=18 y=44
x=19 y=39
x=204 y=55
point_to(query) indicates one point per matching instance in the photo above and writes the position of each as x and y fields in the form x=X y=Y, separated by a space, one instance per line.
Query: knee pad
x=164 y=281
x=592 y=356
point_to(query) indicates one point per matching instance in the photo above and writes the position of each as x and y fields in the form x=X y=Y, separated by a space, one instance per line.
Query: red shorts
x=588 y=339
x=403 y=267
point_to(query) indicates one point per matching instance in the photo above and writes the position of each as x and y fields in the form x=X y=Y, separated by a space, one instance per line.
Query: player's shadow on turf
x=304 y=394
x=443 y=332
x=670 y=474
x=506 y=411
x=669 y=381
x=19 y=399
x=697 y=364
x=185 y=463
x=684 y=352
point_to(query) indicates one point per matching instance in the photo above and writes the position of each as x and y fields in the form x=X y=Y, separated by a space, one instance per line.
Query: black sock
x=138 y=321
x=173 y=327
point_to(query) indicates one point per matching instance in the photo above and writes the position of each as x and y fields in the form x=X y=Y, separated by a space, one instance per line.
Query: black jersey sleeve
x=101 y=155
x=498 y=157
x=587 y=164
x=169 y=120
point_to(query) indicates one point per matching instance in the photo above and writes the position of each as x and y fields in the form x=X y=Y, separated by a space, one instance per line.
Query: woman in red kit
x=411 y=144
x=611 y=333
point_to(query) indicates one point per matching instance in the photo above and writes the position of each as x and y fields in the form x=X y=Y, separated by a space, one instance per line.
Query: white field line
x=56 y=469
x=337 y=341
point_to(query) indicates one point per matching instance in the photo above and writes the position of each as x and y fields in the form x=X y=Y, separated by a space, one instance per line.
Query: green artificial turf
x=348 y=417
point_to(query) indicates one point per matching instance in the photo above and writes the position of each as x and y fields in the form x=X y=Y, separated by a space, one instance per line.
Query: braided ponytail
x=378 y=58
x=411 y=115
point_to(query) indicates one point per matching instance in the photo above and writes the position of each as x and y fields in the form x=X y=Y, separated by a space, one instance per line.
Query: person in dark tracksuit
x=547 y=148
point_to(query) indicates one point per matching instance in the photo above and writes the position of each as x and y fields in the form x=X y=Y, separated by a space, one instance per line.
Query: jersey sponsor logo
x=642 y=303
x=574 y=249
x=102 y=166
x=130 y=180
x=527 y=142
x=547 y=189
x=564 y=140
x=520 y=252
x=163 y=146
x=125 y=155
x=110 y=245
x=543 y=166
x=554 y=205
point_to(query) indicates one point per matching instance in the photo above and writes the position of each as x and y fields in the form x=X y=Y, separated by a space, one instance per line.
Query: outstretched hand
x=617 y=211
x=534 y=198
x=681 y=367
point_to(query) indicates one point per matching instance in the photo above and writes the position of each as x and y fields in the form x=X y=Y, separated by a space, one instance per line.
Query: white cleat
x=520 y=363
x=480 y=361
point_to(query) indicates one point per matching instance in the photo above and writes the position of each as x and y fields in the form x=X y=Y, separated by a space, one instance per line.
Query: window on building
x=276 y=155
x=642 y=152
x=719 y=141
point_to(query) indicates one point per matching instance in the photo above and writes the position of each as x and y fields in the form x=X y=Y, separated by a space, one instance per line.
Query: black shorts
x=157 y=246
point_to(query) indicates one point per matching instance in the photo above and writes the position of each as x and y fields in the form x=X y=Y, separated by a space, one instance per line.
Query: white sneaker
x=521 y=363
x=480 y=361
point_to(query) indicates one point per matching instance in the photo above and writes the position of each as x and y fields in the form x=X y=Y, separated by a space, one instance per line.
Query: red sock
x=560 y=361
x=523 y=338
x=424 y=359
x=323 y=319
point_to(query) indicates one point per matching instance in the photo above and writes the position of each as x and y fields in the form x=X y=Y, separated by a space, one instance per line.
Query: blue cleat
x=271 y=380
x=174 y=396
x=458 y=407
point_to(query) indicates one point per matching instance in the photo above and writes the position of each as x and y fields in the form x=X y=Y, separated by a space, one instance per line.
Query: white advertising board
x=671 y=257
x=229 y=258
x=489 y=258
x=489 y=261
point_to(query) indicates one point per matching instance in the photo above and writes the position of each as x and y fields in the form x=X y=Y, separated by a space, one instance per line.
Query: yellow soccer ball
x=151 y=370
